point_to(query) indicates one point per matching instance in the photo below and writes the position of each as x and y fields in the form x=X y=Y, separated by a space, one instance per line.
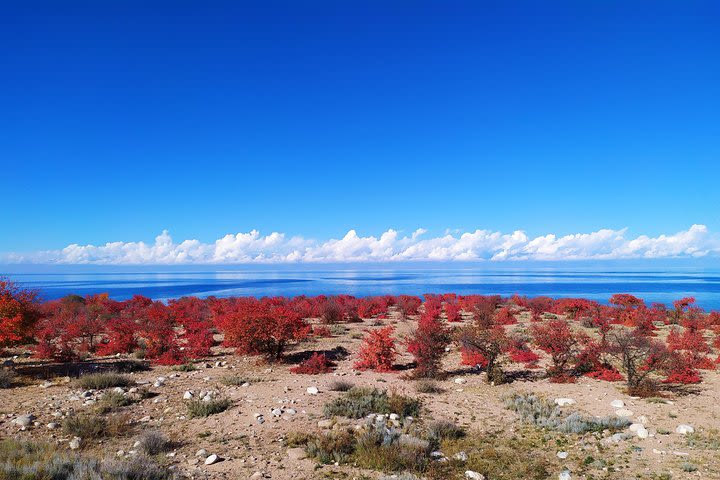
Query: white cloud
x=253 y=247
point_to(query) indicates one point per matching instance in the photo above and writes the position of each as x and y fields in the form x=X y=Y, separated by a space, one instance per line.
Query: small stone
x=276 y=412
x=313 y=390
x=201 y=453
x=624 y=412
x=643 y=432
x=562 y=455
x=562 y=402
x=474 y=475
x=52 y=425
x=256 y=475
x=291 y=411
x=146 y=419
x=297 y=453
x=325 y=424
x=188 y=395
x=565 y=475
x=461 y=456
x=211 y=459
x=460 y=381
x=394 y=416
x=75 y=443
x=118 y=390
x=24 y=421
x=684 y=429
x=617 y=404
x=635 y=427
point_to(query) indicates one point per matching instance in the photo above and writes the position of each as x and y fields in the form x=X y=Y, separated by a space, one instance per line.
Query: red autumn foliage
x=606 y=373
x=505 y=316
x=472 y=358
x=428 y=341
x=575 y=308
x=557 y=339
x=18 y=314
x=408 y=304
x=318 y=363
x=377 y=351
x=195 y=317
x=370 y=307
x=262 y=327
x=452 y=312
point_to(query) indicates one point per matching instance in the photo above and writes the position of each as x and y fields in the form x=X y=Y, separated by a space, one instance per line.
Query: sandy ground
x=247 y=447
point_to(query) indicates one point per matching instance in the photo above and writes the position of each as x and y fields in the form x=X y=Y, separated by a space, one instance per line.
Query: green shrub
x=101 y=381
x=545 y=414
x=88 y=426
x=202 y=408
x=112 y=401
x=335 y=446
x=20 y=460
x=359 y=402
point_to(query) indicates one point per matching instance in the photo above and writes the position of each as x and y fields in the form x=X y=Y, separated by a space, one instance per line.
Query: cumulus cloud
x=390 y=246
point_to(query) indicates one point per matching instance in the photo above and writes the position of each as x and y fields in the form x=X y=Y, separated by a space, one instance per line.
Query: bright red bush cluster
x=623 y=343
x=377 y=351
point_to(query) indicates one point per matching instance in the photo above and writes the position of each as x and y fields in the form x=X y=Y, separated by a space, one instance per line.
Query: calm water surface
x=652 y=285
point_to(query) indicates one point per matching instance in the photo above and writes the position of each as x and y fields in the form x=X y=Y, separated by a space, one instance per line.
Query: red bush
x=377 y=351
x=428 y=341
x=606 y=373
x=18 y=314
x=473 y=358
x=262 y=327
x=452 y=312
x=505 y=316
x=562 y=344
x=316 y=364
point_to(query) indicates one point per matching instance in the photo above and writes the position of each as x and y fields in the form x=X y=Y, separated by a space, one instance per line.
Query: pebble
x=188 y=395
x=211 y=459
x=643 y=432
x=201 y=453
x=460 y=381
x=75 y=443
x=474 y=475
x=562 y=455
x=461 y=456
x=324 y=424
x=564 y=475
x=24 y=421
x=313 y=390
x=276 y=412
x=684 y=429
x=562 y=402
x=617 y=404
x=52 y=425
x=623 y=412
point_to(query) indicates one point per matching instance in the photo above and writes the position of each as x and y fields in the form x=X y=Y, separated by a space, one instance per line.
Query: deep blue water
x=652 y=285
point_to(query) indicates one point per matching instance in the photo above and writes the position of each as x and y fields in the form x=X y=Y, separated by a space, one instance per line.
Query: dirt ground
x=245 y=446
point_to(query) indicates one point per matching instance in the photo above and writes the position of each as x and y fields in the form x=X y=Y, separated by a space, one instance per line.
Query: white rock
x=562 y=402
x=460 y=381
x=118 y=390
x=635 y=427
x=474 y=475
x=211 y=459
x=201 y=453
x=276 y=412
x=617 y=404
x=291 y=411
x=643 y=432
x=24 y=421
x=624 y=412
x=461 y=456
x=684 y=429
x=564 y=475
x=52 y=425
x=394 y=416
x=75 y=443
x=562 y=455
x=188 y=395
x=313 y=390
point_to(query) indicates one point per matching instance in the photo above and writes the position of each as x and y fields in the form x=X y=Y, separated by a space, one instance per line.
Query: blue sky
x=122 y=119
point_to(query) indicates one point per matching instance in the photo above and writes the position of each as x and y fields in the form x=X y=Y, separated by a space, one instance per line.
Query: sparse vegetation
x=21 y=460
x=359 y=402
x=542 y=413
x=154 y=442
x=7 y=378
x=101 y=381
x=88 y=426
x=340 y=386
x=205 y=408
x=112 y=401
x=428 y=386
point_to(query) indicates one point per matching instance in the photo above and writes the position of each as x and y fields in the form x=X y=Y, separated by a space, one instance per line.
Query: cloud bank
x=391 y=246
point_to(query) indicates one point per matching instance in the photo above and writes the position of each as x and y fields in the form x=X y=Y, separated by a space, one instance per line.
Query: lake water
x=654 y=285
